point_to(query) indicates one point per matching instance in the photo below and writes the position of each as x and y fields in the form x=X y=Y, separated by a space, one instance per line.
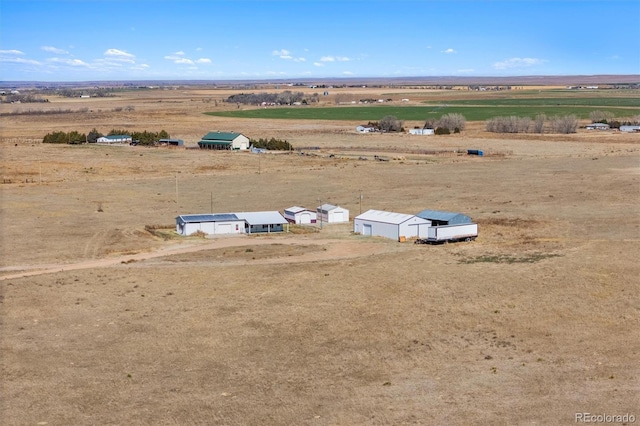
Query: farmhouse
x=211 y=224
x=300 y=215
x=114 y=139
x=260 y=222
x=444 y=218
x=328 y=213
x=230 y=223
x=224 y=141
x=425 y=131
x=396 y=226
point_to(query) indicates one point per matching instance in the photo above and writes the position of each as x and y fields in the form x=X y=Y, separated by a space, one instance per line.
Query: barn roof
x=297 y=209
x=262 y=218
x=220 y=136
x=442 y=216
x=329 y=207
x=220 y=217
x=385 y=217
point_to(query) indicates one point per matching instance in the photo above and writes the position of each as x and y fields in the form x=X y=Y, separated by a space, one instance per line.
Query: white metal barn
x=390 y=225
x=425 y=131
x=211 y=224
x=328 y=213
x=300 y=215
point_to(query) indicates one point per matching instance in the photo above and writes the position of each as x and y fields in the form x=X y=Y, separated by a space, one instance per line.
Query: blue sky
x=81 y=40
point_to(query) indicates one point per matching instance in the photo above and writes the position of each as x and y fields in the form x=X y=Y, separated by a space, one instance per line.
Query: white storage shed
x=328 y=213
x=211 y=224
x=390 y=225
x=300 y=215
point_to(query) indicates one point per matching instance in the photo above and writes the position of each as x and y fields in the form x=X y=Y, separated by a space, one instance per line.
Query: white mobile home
x=300 y=215
x=263 y=222
x=425 y=131
x=396 y=226
x=210 y=224
x=328 y=213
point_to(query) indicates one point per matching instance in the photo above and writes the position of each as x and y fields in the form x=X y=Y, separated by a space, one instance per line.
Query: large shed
x=328 y=213
x=224 y=141
x=444 y=218
x=259 y=222
x=397 y=226
x=211 y=224
x=300 y=215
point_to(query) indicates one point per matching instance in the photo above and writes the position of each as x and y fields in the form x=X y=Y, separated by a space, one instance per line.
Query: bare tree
x=564 y=124
x=538 y=124
x=390 y=123
x=600 y=116
x=452 y=122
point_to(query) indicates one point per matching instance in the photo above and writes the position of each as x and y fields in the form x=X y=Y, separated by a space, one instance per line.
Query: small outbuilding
x=437 y=217
x=300 y=215
x=224 y=141
x=597 y=126
x=171 y=142
x=210 y=224
x=328 y=213
x=630 y=129
x=262 y=222
x=425 y=131
x=396 y=226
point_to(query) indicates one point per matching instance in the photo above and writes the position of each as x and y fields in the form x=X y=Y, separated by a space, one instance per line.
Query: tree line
x=283 y=98
x=272 y=144
x=74 y=137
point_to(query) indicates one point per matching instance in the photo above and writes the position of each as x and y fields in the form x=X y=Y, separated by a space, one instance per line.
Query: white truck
x=450 y=233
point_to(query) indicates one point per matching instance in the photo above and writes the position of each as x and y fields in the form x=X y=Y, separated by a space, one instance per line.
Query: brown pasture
x=105 y=322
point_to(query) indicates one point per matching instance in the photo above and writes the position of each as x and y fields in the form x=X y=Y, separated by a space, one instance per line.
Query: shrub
x=442 y=131
x=452 y=121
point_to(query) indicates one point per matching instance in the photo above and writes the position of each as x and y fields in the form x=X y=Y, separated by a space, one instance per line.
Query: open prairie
x=105 y=322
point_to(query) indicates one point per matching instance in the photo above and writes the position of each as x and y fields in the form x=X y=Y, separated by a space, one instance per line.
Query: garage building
x=328 y=213
x=211 y=224
x=300 y=215
x=396 y=226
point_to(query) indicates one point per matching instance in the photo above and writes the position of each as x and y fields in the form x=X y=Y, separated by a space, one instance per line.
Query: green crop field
x=480 y=110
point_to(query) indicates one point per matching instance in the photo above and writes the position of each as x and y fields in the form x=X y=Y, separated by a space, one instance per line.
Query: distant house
x=425 y=131
x=231 y=223
x=328 y=213
x=210 y=224
x=630 y=128
x=300 y=215
x=115 y=139
x=224 y=141
x=365 y=129
x=597 y=126
x=262 y=222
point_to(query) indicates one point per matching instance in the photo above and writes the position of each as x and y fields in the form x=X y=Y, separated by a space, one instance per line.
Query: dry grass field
x=105 y=323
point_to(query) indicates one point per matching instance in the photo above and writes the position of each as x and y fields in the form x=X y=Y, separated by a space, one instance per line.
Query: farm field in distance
x=106 y=322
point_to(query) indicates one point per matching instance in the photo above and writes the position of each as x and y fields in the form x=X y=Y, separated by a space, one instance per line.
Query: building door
x=366 y=229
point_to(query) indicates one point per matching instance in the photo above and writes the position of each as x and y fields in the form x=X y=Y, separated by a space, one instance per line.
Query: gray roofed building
x=444 y=218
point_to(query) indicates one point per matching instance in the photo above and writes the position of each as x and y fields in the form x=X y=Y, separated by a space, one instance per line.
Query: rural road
x=336 y=249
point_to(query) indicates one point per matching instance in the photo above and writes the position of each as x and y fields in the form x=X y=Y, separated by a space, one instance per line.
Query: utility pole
x=320 y=201
x=176 y=189
x=211 y=202
x=360 y=201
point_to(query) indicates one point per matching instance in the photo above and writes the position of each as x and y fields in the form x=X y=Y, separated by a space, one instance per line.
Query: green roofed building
x=224 y=141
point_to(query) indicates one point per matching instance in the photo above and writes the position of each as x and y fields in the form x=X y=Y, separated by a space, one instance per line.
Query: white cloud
x=449 y=51
x=342 y=59
x=347 y=73
x=70 y=62
x=119 y=56
x=327 y=59
x=180 y=53
x=318 y=64
x=11 y=52
x=183 y=61
x=18 y=60
x=517 y=63
x=54 y=50
x=282 y=54
x=203 y=61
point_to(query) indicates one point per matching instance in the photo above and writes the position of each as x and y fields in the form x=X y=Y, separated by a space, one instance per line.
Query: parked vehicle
x=450 y=233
